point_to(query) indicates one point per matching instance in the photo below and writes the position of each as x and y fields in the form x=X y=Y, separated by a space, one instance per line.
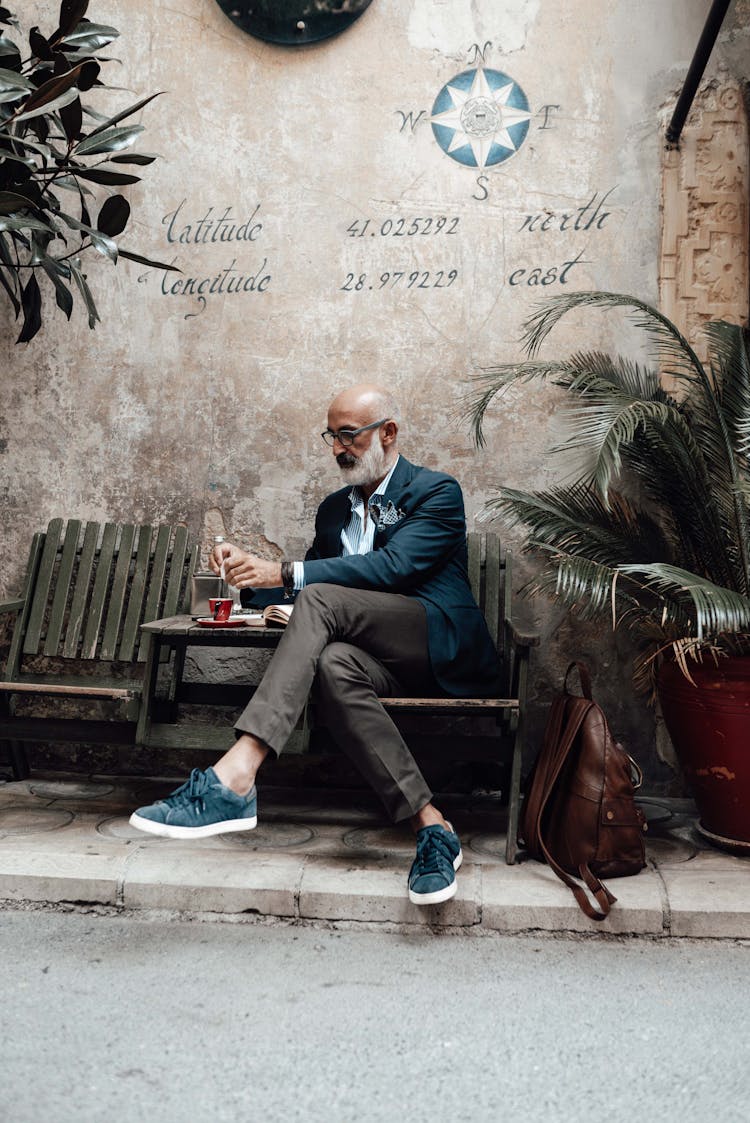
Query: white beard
x=369 y=467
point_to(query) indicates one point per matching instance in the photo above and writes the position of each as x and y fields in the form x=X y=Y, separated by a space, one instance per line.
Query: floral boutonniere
x=385 y=516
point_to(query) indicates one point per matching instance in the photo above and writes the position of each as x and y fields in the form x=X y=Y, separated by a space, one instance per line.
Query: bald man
x=382 y=608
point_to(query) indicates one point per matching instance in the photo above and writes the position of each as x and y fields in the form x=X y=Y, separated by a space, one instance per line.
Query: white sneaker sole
x=440 y=894
x=165 y=830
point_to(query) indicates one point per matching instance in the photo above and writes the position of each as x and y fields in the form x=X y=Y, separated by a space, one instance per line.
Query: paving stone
x=28 y=874
x=356 y=888
x=171 y=876
x=707 y=899
x=530 y=896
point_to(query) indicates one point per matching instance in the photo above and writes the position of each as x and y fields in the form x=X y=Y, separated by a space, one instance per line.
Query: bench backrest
x=89 y=587
x=490 y=578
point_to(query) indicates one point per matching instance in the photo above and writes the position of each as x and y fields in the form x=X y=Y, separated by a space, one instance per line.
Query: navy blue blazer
x=422 y=555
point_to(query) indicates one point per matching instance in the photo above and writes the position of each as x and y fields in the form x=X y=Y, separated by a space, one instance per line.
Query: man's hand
x=243 y=570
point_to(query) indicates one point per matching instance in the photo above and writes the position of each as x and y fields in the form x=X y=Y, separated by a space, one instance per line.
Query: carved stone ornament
x=703 y=273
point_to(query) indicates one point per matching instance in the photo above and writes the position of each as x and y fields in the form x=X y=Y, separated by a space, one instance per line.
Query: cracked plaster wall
x=208 y=411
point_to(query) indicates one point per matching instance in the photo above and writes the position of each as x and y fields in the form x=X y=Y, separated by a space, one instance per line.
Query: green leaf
x=13 y=86
x=124 y=113
x=90 y=36
x=85 y=292
x=72 y=119
x=71 y=14
x=39 y=46
x=90 y=71
x=31 y=303
x=107 y=178
x=133 y=158
x=110 y=141
x=49 y=106
x=9 y=277
x=146 y=261
x=114 y=215
x=48 y=93
x=9 y=53
x=63 y=295
x=11 y=202
x=44 y=150
x=25 y=222
x=101 y=243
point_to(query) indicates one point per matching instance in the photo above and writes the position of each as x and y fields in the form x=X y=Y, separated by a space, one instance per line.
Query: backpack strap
x=583 y=675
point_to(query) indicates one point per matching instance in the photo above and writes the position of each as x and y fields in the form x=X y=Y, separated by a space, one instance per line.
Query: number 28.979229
x=417 y=279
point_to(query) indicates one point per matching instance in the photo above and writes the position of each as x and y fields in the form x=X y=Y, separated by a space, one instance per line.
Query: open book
x=274 y=615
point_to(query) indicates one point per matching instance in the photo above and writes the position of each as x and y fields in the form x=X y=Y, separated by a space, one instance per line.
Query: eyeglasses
x=347 y=437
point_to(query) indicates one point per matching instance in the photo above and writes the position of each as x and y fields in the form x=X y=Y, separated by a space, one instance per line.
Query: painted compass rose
x=480 y=118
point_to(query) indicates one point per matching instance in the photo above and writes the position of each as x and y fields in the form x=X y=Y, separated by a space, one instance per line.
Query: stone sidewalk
x=328 y=856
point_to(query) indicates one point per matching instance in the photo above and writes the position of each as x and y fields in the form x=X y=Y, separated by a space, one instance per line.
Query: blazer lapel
x=400 y=480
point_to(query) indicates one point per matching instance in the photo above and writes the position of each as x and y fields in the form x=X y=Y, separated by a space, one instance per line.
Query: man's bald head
x=368 y=401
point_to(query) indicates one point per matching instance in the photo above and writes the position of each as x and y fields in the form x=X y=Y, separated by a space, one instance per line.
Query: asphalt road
x=127 y=1019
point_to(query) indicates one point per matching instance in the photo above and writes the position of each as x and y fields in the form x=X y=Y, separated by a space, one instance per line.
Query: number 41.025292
x=403 y=227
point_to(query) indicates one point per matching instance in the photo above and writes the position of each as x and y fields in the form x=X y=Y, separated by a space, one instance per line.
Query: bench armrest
x=519 y=638
x=12 y=606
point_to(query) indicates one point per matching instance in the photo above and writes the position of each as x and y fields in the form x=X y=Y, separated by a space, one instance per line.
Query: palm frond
x=586 y=587
x=716 y=609
x=604 y=420
x=729 y=350
x=574 y=520
x=671 y=346
x=493 y=381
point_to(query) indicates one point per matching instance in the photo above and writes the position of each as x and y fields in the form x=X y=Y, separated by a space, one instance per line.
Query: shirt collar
x=355 y=495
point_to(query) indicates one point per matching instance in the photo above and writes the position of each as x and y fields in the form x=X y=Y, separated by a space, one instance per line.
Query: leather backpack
x=579 y=814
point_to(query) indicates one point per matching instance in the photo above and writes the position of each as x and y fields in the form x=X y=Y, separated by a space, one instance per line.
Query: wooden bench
x=87 y=590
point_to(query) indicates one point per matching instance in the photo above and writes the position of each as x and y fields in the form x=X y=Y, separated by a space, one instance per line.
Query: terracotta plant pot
x=709 y=725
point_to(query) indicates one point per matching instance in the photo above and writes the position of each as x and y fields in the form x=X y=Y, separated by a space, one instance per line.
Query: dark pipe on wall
x=697 y=66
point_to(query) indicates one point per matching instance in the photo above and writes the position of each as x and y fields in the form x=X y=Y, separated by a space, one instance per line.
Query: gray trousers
x=356 y=645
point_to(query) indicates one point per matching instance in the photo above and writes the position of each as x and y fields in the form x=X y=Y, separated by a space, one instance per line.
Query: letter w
x=409 y=119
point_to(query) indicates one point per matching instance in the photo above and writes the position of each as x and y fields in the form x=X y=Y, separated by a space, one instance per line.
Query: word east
x=545 y=275
x=229 y=280
x=211 y=227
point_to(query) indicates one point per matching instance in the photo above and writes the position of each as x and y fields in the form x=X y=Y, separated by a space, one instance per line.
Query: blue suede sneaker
x=432 y=877
x=202 y=806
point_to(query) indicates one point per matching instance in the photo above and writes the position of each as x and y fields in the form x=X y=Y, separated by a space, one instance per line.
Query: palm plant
x=654 y=533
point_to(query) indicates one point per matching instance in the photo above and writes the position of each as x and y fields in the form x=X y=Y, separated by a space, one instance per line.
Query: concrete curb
x=65 y=841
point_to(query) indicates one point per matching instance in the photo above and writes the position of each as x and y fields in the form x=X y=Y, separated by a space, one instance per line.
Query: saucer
x=209 y=622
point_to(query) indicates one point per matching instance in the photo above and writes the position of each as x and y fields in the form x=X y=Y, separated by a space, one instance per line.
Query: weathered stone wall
x=327 y=233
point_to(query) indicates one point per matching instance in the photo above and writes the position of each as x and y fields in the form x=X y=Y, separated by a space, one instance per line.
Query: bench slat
x=70 y=690
x=440 y=705
x=137 y=590
x=42 y=588
x=492 y=579
x=176 y=568
x=81 y=591
x=474 y=547
x=158 y=571
x=16 y=643
x=99 y=591
x=117 y=595
x=62 y=586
